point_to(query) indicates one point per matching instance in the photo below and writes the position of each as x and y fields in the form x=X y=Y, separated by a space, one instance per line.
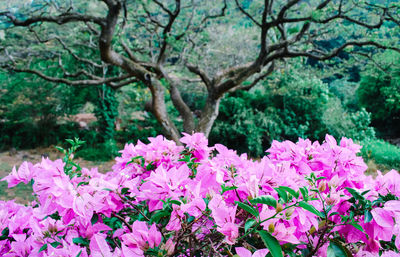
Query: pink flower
x=231 y=232
x=198 y=143
x=285 y=234
x=224 y=217
x=99 y=246
x=243 y=252
x=169 y=246
x=24 y=174
x=142 y=237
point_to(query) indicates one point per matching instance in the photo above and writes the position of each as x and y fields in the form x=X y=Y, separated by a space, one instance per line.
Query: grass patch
x=385 y=155
x=21 y=193
x=5 y=167
x=94 y=154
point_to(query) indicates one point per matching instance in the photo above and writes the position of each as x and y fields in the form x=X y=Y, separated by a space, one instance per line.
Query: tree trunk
x=208 y=115
x=160 y=111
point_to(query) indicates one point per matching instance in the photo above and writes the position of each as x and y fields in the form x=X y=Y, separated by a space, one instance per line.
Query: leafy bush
x=296 y=106
x=381 y=152
x=379 y=93
x=102 y=152
x=303 y=199
x=24 y=135
x=30 y=110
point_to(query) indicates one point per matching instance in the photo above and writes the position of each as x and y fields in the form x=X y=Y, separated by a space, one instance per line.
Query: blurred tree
x=172 y=43
x=379 y=93
x=292 y=103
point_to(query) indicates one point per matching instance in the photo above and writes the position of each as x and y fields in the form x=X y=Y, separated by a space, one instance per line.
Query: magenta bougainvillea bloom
x=161 y=199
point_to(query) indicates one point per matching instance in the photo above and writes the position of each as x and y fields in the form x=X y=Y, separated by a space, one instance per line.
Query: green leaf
x=124 y=190
x=290 y=191
x=141 y=158
x=365 y=192
x=225 y=188
x=70 y=141
x=354 y=193
x=157 y=216
x=248 y=208
x=311 y=209
x=80 y=240
x=271 y=243
x=357 y=226
x=59 y=148
x=83 y=183
x=304 y=192
x=336 y=249
x=55 y=216
x=43 y=248
x=249 y=223
x=333 y=213
x=5 y=233
x=94 y=219
x=367 y=216
x=55 y=244
x=293 y=30
x=265 y=199
x=79 y=254
x=282 y=193
x=175 y=202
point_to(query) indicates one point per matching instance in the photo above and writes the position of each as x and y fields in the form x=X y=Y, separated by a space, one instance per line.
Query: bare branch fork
x=275 y=44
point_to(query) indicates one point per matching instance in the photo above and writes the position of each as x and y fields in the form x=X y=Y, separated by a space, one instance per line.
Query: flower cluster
x=162 y=199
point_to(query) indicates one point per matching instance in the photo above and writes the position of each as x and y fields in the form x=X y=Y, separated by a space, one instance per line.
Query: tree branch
x=247 y=14
x=336 y=51
x=167 y=30
x=220 y=14
x=196 y=70
x=265 y=74
x=86 y=82
x=60 y=19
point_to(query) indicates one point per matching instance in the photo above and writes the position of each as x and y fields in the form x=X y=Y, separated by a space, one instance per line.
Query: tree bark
x=208 y=115
x=160 y=111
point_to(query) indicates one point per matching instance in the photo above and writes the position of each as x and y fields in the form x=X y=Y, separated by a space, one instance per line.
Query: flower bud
x=279 y=207
x=322 y=186
x=169 y=246
x=333 y=199
x=52 y=228
x=289 y=212
x=271 y=227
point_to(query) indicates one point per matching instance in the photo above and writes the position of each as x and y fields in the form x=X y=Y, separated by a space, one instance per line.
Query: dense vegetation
x=354 y=93
x=247 y=75
x=161 y=199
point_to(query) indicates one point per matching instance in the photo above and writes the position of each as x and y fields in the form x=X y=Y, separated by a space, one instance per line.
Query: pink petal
x=242 y=252
x=383 y=217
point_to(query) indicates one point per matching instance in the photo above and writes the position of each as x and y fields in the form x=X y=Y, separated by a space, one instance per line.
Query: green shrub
x=295 y=105
x=379 y=93
x=381 y=152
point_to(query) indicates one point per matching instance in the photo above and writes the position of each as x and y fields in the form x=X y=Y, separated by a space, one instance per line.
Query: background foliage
x=352 y=95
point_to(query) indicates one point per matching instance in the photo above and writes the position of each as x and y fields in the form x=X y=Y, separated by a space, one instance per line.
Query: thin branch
x=86 y=82
x=69 y=50
x=124 y=83
x=202 y=74
x=167 y=30
x=268 y=72
x=129 y=52
x=247 y=14
x=163 y=7
x=60 y=19
x=336 y=51
x=220 y=14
